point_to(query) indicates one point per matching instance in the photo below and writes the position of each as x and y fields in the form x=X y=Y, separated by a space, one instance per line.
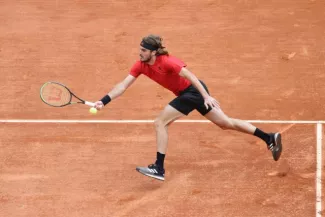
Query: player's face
x=145 y=54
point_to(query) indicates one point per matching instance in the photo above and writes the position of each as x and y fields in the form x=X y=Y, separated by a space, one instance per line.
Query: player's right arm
x=117 y=91
x=121 y=87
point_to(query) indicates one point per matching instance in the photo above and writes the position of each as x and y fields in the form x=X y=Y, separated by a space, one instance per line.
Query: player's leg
x=218 y=117
x=165 y=118
x=177 y=108
x=273 y=140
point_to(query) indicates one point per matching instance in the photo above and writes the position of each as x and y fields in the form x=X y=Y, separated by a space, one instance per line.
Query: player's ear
x=153 y=53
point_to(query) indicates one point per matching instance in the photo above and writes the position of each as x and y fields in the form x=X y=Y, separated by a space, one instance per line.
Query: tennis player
x=191 y=93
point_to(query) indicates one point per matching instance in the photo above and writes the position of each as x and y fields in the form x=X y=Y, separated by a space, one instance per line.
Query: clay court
x=264 y=61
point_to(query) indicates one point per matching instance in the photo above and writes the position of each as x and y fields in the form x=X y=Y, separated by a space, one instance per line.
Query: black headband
x=148 y=46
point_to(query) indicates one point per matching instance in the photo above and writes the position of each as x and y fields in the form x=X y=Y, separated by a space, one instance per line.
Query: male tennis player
x=191 y=93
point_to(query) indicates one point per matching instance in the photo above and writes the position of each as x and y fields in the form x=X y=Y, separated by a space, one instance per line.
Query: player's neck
x=152 y=60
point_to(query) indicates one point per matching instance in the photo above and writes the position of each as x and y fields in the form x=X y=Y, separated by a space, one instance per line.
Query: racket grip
x=91 y=104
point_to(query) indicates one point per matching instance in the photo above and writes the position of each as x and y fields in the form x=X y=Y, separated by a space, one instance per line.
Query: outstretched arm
x=117 y=91
x=208 y=100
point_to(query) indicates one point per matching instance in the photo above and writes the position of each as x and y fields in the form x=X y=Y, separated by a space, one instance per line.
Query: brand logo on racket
x=55 y=94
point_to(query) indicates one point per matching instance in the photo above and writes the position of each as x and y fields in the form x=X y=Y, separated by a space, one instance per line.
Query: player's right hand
x=99 y=105
x=212 y=102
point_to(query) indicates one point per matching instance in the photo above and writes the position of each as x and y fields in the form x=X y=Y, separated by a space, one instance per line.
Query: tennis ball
x=93 y=110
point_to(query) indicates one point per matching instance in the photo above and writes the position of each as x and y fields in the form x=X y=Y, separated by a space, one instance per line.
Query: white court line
x=319 y=171
x=149 y=121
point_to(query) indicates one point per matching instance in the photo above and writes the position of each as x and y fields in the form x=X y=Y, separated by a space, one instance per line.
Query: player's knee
x=226 y=125
x=159 y=123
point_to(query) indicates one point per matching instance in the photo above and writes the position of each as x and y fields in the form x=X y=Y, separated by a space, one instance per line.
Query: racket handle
x=91 y=104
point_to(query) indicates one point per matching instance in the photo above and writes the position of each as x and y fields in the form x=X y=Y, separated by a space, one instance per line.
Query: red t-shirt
x=165 y=71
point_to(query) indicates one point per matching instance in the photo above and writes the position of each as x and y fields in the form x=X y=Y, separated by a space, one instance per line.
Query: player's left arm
x=208 y=100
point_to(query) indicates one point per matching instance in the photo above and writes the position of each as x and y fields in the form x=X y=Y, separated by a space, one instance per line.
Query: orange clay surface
x=262 y=60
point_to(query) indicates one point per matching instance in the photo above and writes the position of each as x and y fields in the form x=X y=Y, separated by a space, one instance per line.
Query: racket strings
x=55 y=94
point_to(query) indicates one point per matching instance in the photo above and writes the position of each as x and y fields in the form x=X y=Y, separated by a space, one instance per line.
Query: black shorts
x=190 y=99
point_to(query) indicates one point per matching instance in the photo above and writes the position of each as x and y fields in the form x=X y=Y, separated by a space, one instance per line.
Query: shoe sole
x=278 y=146
x=150 y=175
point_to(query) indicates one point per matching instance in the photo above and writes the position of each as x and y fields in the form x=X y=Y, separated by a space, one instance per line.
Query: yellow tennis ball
x=93 y=110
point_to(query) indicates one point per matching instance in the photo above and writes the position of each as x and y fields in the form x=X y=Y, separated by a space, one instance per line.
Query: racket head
x=55 y=94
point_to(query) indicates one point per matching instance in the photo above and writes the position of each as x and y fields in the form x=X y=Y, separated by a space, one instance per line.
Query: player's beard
x=146 y=60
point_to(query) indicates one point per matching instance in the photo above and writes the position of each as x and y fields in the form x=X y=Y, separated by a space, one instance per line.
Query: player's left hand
x=211 y=102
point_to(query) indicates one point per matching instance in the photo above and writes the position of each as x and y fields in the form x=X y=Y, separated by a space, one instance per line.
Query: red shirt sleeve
x=136 y=69
x=174 y=65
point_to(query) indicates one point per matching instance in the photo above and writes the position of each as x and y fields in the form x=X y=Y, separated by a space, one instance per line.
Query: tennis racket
x=57 y=95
